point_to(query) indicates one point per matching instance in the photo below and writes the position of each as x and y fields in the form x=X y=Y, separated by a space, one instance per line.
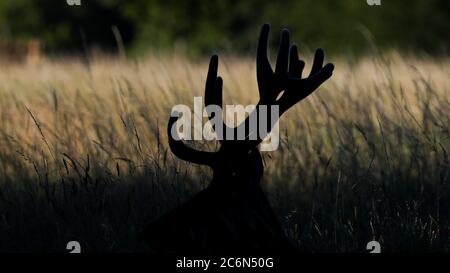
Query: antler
x=287 y=77
x=213 y=96
x=186 y=153
x=288 y=72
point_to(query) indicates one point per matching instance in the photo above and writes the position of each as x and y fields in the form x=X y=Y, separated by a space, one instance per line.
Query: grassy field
x=84 y=156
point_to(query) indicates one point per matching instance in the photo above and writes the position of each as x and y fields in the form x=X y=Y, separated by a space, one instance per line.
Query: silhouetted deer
x=233 y=214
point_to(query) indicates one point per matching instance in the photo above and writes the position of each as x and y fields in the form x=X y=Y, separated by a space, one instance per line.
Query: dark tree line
x=199 y=26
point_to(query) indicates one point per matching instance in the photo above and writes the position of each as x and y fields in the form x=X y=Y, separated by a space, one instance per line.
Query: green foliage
x=199 y=26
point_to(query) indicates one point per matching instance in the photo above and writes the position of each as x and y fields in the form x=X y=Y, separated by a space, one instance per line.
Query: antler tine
x=213 y=89
x=270 y=84
x=295 y=64
x=213 y=95
x=186 y=153
x=263 y=68
x=287 y=77
x=298 y=88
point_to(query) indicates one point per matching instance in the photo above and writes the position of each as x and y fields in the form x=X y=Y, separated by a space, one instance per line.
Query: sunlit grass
x=83 y=152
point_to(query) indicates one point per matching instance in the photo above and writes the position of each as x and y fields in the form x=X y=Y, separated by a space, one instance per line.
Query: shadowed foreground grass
x=83 y=153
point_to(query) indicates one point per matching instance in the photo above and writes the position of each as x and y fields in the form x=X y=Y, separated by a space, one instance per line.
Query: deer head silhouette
x=233 y=214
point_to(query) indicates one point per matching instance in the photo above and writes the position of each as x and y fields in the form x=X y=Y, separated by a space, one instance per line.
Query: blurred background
x=196 y=27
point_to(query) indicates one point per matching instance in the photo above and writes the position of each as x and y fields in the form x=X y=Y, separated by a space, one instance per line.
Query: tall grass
x=84 y=156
